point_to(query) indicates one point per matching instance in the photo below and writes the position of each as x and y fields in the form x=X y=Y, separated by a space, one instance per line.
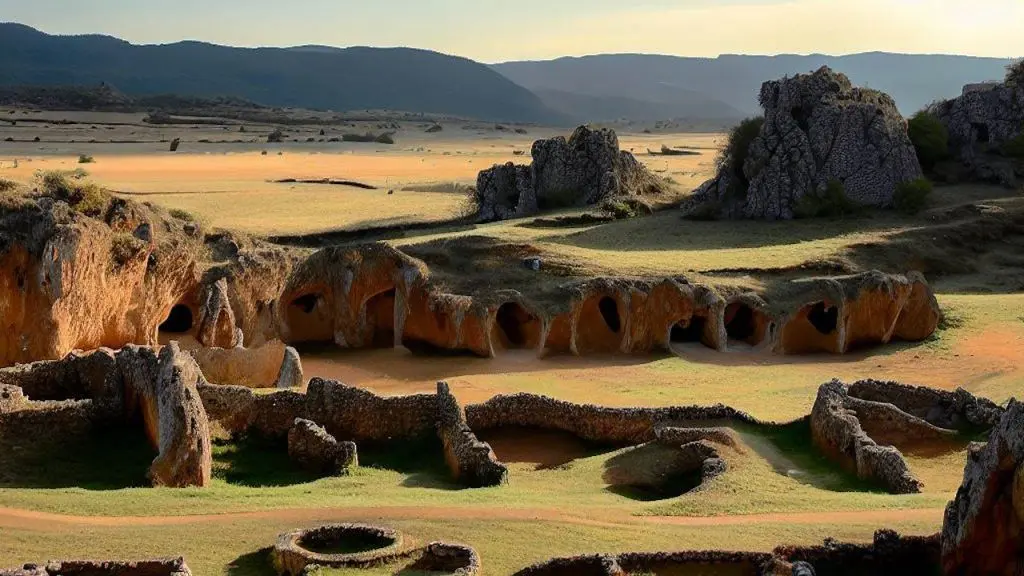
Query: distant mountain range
x=307 y=77
x=630 y=86
x=603 y=88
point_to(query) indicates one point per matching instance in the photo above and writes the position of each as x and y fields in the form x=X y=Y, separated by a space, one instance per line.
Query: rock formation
x=471 y=461
x=75 y=274
x=272 y=365
x=314 y=449
x=161 y=567
x=817 y=128
x=983 y=532
x=583 y=170
x=980 y=122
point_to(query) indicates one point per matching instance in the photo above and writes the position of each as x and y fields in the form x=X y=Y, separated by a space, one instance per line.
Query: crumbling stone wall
x=314 y=449
x=290 y=555
x=984 y=524
x=583 y=170
x=619 y=426
x=957 y=410
x=357 y=414
x=161 y=567
x=817 y=128
x=704 y=562
x=837 y=432
x=78 y=376
x=471 y=461
x=888 y=554
x=272 y=365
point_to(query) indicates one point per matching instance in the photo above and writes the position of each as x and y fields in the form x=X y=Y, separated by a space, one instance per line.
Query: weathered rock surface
x=471 y=461
x=272 y=365
x=818 y=127
x=983 y=532
x=164 y=390
x=583 y=170
x=314 y=449
x=981 y=120
x=161 y=567
x=72 y=276
x=837 y=432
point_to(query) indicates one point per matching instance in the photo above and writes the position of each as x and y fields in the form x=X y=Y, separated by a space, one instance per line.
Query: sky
x=502 y=30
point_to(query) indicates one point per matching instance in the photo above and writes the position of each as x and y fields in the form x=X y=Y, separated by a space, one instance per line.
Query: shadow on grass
x=652 y=472
x=109 y=458
x=256 y=563
x=791 y=452
x=421 y=460
x=257 y=462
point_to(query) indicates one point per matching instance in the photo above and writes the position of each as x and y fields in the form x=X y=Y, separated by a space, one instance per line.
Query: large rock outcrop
x=80 y=269
x=583 y=170
x=981 y=120
x=314 y=449
x=983 y=532
x=817 y=128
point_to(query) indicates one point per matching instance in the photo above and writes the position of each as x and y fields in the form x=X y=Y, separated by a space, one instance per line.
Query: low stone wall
x=618 y=426
x=272 y=365
x=471 y=461
x=356 y=414
x=702 y=562
x=162 y=567
x=133 y=384
x=957 y=410
x=314 y=449
x=679 y=436
x=837 y=432
x=889 y=553
x=446 y=558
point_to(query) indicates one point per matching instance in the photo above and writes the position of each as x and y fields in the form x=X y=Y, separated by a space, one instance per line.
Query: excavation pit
x=544 y=449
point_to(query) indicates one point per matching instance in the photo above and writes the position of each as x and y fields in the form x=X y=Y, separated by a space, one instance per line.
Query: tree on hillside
x=1015 y=73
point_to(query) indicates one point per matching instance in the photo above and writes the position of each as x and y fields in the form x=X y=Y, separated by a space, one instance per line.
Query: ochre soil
x=545 y=448
x=970 y=362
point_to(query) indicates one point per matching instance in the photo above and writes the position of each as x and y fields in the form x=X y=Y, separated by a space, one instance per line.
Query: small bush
x=124 y=248
x=85 y=197
x=85 y=159
x=7 y=185
x=1015 y=73
x=182 y=214
x=385 y=138
x=930 y=138
x=276 y=136
x=912 y=197
x=832 y=203
x=1015 y=148
x=734 y=154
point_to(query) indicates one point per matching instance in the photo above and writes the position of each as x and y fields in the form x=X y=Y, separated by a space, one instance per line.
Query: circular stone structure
x=337 y=546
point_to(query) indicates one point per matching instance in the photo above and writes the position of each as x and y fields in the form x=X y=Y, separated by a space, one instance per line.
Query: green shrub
x=124 y=248
x=182 y=215
x=85 y=159
x=385 y=138
x=831 y=203
x=912 y=197
x=733 y=155
x=85 y=197
x=7 y=185
x=1015 y=73
x=1015 y=148
x=930 y=138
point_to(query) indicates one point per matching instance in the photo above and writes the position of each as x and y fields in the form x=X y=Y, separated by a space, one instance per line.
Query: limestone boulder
x=582 y=170
x=817 y=128
x=983 y=531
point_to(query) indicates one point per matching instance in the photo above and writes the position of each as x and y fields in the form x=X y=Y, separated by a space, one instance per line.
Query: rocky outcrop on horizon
x=818 y=128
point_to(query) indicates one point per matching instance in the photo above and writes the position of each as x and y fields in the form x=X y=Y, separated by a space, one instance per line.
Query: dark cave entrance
x=825 y=319
x=519 y=328
x=609 y=309
x=741 y=323
x=689 y=331
x=380 y=319
x=179 y=321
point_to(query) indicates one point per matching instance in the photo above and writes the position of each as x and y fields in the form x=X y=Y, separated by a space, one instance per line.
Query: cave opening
x=179 y=321
x=309 y=319
x=825 y=319
x=517 y=325
x=691 y=330
x=380 y=319
x=802 y=117
x=981 y=133
x=306 y=303
x=741 y=323
x=609 y=309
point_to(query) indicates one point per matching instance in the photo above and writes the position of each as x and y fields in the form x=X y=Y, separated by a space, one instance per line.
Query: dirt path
x=49 y=522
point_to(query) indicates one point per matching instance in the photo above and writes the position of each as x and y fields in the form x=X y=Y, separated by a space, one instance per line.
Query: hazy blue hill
x=308 y=77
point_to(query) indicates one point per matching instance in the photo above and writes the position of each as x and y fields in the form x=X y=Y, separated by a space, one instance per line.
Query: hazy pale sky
x=499 y=30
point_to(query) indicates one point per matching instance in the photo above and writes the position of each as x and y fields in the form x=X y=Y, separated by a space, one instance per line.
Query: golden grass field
x=774 y=492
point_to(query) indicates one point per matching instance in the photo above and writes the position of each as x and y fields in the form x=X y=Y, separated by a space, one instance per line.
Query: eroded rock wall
x=160 y=567
x=272 y=365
